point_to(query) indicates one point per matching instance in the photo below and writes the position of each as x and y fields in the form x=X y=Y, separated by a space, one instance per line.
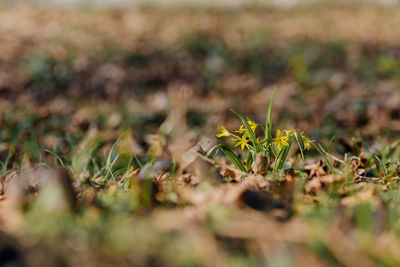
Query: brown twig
x=330 y=155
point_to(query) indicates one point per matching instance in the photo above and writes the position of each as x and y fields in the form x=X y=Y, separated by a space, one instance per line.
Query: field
x=108 y=119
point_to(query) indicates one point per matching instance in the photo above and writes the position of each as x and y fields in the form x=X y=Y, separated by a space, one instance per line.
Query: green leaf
x=175 y=167
x=300 y=143
x=252 y=135
x=56 y=156
x=139 y=163
x=391 y=149
x=284 y=153
x=324 y=156
x=276 y=164
x=10 y=153
x=268 y=122
x=250 y=159
x=235 y=160
x=381 y=165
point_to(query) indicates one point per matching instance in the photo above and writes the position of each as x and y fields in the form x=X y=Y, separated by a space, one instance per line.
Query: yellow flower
x=223 y=132
x=241 y=141
x=243 y=130
x=280 y=140
x=289 y=133
x=307 y=143
x=253 y=125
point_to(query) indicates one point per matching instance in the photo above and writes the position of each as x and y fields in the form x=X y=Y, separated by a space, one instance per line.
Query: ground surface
x=105 y=117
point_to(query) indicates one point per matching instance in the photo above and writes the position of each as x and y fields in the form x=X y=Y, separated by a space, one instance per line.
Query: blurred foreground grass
x=103 y=114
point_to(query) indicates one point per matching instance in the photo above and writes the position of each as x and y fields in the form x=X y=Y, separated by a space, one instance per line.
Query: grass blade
x=392 y=148
x=381 y=165
x=249 y=161
x=139 y=163
x=235 y=160
x=252 y=135
x=300 y=143
x=285 y=152
x=56 y=156
x=4 y=165
x=268 y=122
x=276 y=164
x=324 y=156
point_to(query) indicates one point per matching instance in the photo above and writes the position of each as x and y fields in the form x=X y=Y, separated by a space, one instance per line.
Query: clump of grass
x=274 y=149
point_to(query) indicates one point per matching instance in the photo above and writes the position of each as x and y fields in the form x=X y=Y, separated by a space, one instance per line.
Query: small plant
x=264 y=148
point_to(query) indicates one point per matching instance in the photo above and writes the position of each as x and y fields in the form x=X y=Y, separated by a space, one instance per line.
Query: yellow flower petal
x=283 y=142
x=280 y=140
x=241 y=130
x=223 y=132
x=252 y=124
x=307 y=144
x=241 y=141
x=289 y=133
x=278 y=134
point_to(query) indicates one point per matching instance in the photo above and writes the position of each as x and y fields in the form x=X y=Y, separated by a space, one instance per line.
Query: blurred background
x=77 y=75
x=200 y=3
x=335 y=66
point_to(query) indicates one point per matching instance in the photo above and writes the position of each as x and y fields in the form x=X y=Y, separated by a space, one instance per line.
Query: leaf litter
x=102 y=165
